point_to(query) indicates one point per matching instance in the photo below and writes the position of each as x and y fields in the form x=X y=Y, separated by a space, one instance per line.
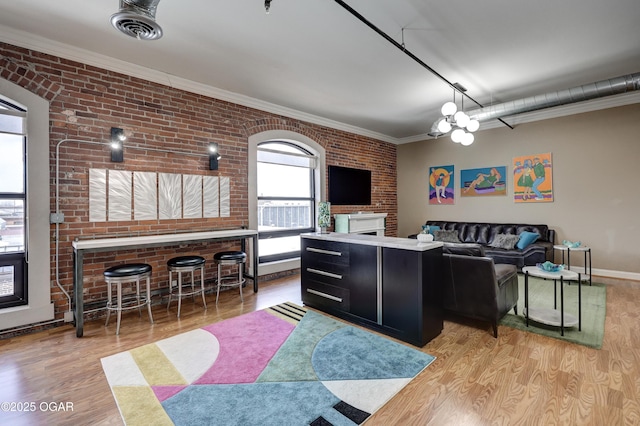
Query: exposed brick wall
x=85 y=102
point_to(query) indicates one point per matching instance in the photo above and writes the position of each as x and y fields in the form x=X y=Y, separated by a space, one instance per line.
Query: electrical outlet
x=68 y=316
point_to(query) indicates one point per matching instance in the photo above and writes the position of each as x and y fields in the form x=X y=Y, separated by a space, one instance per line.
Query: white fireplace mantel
x=360 y=223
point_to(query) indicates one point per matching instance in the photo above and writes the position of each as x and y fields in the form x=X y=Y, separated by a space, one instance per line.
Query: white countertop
x=160 y=239
x=375 y=240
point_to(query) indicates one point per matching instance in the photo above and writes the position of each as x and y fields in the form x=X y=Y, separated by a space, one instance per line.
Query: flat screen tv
x=349 y=186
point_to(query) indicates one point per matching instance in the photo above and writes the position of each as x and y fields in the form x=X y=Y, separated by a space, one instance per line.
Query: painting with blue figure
x=441 y=185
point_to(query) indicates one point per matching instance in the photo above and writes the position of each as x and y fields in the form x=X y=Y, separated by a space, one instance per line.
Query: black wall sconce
x=214 y=156
x=117 y=149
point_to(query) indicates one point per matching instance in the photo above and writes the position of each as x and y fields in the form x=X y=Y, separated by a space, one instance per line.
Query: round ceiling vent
x=136 y=25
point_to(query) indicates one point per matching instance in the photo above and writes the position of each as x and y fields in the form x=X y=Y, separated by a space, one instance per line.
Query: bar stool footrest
x=188 y=292
x=128 y=303
x=232 y=284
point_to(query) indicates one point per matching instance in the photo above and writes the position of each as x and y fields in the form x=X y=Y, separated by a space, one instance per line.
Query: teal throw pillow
x=430 y=229
x=526 y=239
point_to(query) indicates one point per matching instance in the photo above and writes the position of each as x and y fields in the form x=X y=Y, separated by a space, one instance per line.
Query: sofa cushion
x=447 y=236
x=464 y=249
x=526 y=239
x=477 y=233
x=505 y=241
x=530 y=256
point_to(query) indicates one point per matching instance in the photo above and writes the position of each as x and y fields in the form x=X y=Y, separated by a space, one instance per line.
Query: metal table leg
x=78 y=292
x=580 y=302
x=243 y=247
x=585 y=264
x=526 y=298
x=255 y=263
x=561 y=305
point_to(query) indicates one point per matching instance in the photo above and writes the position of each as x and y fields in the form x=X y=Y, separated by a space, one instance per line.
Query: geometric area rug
x=283 y=365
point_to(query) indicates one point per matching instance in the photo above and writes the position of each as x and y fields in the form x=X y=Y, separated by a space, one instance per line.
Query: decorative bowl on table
x=550 y=267
x=570 y=244
x=424 y=238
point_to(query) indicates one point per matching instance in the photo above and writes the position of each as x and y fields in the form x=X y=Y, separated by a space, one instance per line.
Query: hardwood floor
x=518 y=378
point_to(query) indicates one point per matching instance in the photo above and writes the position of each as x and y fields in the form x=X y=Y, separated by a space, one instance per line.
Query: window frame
x=269 y=234
x=17 y=259
x=320 y=178
x=41 y=307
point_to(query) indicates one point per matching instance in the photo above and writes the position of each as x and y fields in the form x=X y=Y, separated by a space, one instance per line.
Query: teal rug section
x=352 y=354
x=293 y=361
x=290 y=403
x=594 y=306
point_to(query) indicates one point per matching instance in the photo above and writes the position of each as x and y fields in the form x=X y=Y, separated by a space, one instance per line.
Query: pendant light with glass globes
x=458 y=121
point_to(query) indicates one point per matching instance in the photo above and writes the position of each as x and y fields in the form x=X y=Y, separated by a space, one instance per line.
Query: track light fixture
x=117 y=148
x=267 y=5
x=214 y=156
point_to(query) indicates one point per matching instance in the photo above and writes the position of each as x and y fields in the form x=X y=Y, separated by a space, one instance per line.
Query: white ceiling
x=314 y=60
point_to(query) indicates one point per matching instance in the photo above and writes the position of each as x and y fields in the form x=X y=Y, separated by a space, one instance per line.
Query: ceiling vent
x=136 y=18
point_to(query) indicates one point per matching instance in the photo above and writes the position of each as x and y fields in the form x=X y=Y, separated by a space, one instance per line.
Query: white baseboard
x=608 y=273
x=25 y=315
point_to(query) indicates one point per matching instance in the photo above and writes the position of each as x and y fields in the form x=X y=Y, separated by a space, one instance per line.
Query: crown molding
x=40 y=44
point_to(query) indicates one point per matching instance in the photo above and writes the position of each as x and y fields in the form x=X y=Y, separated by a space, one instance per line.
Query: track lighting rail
x=403 y=48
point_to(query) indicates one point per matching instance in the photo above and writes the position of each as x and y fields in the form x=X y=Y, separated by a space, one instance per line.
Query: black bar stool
x=186 y=264
x=230 y=258
x=127 y=273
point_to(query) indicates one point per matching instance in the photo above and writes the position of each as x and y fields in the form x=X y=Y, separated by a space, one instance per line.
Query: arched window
x=286 y=198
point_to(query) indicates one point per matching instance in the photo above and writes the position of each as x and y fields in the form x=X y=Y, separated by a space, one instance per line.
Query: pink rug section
x=166 y=392
x=247 y=344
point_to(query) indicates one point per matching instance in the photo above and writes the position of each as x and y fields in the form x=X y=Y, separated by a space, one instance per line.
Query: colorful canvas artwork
x=441 y=185
x=483 y=181
x=533 y=178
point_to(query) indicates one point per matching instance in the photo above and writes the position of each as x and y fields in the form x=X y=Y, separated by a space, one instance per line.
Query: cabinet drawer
x=325 y=252
x=335 y=276
x=325 y=295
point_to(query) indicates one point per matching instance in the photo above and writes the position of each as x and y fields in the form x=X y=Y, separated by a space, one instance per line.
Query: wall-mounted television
x=349 y=186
